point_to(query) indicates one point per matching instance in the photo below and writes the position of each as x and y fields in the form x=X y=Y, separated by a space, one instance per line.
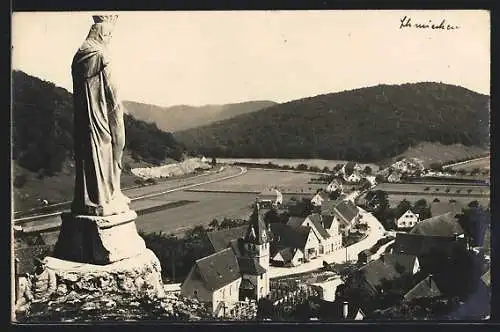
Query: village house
x=287 y=256
x=270 y=197
x=344 y=211
x=354 y=177
x=315 y=222
x=247 y=251
x=214 y=279
x=407 y=220
x=319 y=198
x=301 y=237
x=334 y=186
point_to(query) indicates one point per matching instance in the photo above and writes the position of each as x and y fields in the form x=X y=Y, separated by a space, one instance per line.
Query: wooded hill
x=182 y=117
x=365 y=125
x=42 y=129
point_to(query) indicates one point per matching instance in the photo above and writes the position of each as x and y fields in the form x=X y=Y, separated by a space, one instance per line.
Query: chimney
x=430 y=280
x=345 y=309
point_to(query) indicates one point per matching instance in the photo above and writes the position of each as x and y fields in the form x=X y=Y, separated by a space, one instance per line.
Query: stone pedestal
x=139 y=274
x=98 y=240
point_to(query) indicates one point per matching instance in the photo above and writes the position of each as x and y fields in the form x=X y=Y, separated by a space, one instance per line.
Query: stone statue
x=99 y=133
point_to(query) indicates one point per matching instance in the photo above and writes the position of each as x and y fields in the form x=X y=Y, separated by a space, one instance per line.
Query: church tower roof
x=257 y=232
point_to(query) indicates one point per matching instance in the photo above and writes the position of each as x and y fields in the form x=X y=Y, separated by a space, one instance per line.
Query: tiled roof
x=327 y=221
x=317 y=222
x=295 y=221
x=328 y=207
x=286 y=236
x=427 y=288
x=347 y=210
x=250 y=266
x=416 y=244
x=221 y=239
x=376 y=272
x=442 y=225
x=403 y=263
x=219 y=269
x=438 y=208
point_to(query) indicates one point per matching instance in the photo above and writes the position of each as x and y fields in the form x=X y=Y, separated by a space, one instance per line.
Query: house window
x=195 y=293
x=261 y=276
x=223 y=292
x=261 y=290
x=230 y=289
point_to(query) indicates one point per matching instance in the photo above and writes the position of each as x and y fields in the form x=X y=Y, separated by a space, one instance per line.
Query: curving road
x=143 y=197
x=376 y=232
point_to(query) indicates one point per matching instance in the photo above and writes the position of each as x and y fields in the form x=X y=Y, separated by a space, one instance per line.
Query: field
x=443 y=192
x=320 y=163
x=256 y=180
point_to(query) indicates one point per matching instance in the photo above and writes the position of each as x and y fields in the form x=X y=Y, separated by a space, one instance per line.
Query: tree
x=334 y=195
x=214 y=224
x=214 y=162
x=436 y=167
x=368 y=170
x=271 y=216
x=423 y=210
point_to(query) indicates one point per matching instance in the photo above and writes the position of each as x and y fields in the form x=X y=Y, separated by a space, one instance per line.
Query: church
x=238 y=268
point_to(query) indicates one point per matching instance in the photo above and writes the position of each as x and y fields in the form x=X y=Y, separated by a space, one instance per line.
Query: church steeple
x=257 y=232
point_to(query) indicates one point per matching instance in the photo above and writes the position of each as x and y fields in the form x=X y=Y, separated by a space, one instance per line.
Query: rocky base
x=98 y=240
x=140 y=274
x=97 y=306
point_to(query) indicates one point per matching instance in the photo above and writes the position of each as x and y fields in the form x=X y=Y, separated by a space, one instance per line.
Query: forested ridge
x=366 y=125
x=42 y=129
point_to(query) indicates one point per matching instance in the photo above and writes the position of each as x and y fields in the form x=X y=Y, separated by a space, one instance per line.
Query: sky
x=198 y=58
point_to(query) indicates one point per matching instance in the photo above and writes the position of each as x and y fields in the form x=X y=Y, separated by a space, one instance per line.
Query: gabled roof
x=221 y=239
x=347 y=210
x=405 y=212
x=327 y=221
x=250 y=266
x=257 y=231
x=416 y=244
x=486 y=278
x=292 y=237
x=438 y=208
x=403 y=263
x=317 y=222
x=295 y=221
x=375 y=272
x=219 y=269
x=328 y=206
x=335 y=310
x=427 y=288
x=442 y=225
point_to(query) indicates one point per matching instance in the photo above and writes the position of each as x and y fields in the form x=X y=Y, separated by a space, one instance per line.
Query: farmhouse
x=346 y=212
x=246 y=250
x=352 y=178
x=271 y=196
x=315 y=221
x=407 y=220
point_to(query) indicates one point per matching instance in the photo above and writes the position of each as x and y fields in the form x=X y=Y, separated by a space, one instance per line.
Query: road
x=375 y=233
x=148 y=196
x=471 y=161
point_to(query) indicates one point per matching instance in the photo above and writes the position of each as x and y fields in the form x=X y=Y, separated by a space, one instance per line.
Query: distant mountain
x=183 y=117
x=42 y=129
x=366 y=125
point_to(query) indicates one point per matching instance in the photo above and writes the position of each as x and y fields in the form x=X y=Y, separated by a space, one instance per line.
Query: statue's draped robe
x=99 y=133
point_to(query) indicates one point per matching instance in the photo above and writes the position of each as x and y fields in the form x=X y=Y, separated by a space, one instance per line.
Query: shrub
x=436 y=200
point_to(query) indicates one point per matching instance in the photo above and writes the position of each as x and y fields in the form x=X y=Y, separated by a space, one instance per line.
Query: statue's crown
x=105 y=18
